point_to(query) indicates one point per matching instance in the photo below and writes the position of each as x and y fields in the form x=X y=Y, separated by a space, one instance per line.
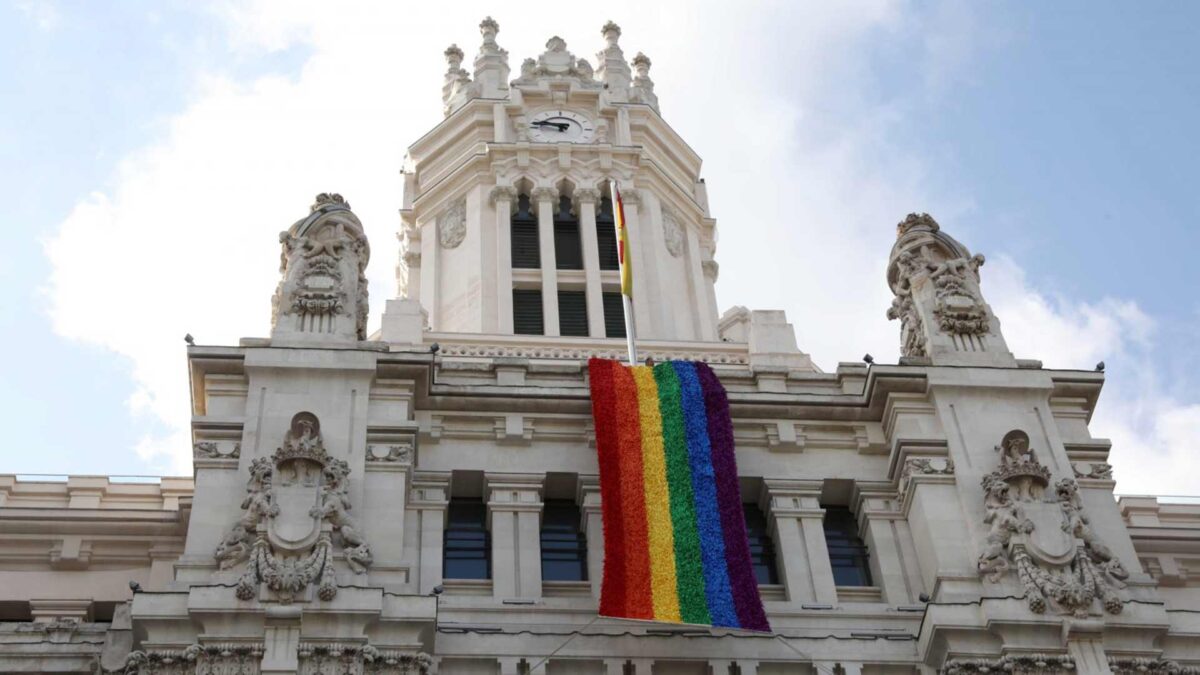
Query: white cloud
x=802 y=172
x=44 y=13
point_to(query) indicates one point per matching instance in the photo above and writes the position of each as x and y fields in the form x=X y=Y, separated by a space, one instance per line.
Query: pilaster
x=645 y=278
x=879 y=520
x=593 y=528
x=430 y=497
x=591 y=259
x=515 y=520
x=798 y=523
x=545 y=198
x=502 y=197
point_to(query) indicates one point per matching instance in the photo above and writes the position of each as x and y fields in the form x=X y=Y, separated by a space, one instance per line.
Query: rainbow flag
x=675 y=545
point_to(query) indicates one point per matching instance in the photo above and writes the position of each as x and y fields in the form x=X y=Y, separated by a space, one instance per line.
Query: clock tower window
x=614 y=315
x=524 y=236
x=606 y=239
x=572 y=313
x=527 y=312
x=567 y=247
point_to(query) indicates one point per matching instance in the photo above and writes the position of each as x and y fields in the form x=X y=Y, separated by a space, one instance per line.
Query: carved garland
x=1023 y=663
x=209 y=659
x=287 y=547
x=1047 y=537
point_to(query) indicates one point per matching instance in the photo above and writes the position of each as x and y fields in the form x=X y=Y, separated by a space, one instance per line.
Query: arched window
x=568 y=253
x=606 y=236
x=762 y=549
x=524 y=237
x=847 y=552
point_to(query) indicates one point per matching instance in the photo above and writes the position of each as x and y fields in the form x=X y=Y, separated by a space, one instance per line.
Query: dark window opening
x=614 y=315
x=527 y=312
x=606 y=235
x=468 y=545
x=568 y=250
x=572 y=313
x=564 y=547
x=847 y=552
x=524 y=236
x=762 y=549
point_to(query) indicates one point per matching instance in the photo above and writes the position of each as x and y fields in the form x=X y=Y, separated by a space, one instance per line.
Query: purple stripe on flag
x=743 y=585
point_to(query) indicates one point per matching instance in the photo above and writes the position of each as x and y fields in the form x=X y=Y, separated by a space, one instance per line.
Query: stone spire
x=491 y=64
x=642 y=90
x=322 y=292
x=613 y=71
x=456 y=85
x=942 y=313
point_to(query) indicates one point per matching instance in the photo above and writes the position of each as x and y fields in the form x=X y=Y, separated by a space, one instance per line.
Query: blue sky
x=155 y=149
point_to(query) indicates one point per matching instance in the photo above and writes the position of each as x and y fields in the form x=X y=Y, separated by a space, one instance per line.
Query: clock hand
x=561 y=126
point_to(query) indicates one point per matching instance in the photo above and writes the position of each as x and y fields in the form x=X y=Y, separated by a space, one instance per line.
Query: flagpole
x=626 y=270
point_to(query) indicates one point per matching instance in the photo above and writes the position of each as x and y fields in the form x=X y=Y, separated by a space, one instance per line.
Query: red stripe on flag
x=604 y=413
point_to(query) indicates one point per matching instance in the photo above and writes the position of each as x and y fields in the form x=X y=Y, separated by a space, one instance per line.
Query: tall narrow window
x=524 y=236
x=568 y=249
x=564 y=547
x=847 y=552
x=572 y=313
x=606 y=235
x=762 y=549
x=527 y=312
x=614 y=315
x=468 y=545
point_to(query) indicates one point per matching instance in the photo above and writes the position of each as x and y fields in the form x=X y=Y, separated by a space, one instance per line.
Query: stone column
x=747 y=667
x=502 y=197
x=430 y=497
x=591 y=259
x=545 y=198
x=799 y=532
x=641 y=256
x=515 y=521
x=593 y=529
x=281 y=639
x=510 y=666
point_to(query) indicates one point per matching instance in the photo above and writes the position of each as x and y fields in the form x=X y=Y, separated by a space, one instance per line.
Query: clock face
x=561 y=126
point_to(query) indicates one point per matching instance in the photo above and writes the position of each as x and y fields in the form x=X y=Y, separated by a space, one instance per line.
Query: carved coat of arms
x=296 y=507
x=1045 y=536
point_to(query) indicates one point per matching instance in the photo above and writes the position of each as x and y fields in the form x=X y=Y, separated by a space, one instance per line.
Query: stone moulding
x=320 y=658
x=1023 y=664
x=1138 y=666
x=296 y=501
x=1045 y=535
x=208 y=659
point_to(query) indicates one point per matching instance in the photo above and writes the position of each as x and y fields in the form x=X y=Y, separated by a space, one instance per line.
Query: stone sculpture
x=297 y=501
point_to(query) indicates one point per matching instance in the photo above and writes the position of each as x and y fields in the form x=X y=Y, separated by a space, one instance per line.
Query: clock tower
x=507 y=222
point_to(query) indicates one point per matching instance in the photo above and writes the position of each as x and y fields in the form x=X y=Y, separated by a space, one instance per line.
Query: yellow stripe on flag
x=661 y=533
x=622 y=242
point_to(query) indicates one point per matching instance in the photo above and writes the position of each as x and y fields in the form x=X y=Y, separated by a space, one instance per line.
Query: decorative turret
x=938 y=300
x=642 y=90
x=613 y=71
x=457 y=87
x=322 y=292
x=491 y=64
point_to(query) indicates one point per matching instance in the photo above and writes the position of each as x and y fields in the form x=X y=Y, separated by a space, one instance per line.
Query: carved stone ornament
x=452 y=224
x=711 y=270
x=928 y=466
x=400 y=453
x=672 y=234
x=1139 y=666
x=1093 y=470
x=207 y=659
x=323 y=285
x=212 y=450
x=1014 y=663
x=1046 y=536
x=557 y=63
x=296 y=502
x=935 y=281
x=319 y=659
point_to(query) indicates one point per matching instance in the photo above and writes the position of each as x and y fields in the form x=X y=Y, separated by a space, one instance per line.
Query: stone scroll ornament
x=323 y=284
x=1044 y=535
x=296 y=508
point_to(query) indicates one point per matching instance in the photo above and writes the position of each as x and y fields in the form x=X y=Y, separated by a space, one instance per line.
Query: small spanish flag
x=622 y=242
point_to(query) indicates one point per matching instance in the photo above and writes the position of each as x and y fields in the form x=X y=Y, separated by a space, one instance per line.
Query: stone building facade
x=425 y=499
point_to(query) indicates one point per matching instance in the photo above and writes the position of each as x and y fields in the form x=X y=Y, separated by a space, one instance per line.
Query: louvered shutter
x=527 y=312
x=572 y=313
x=614 y=316
x=606 y=237
x=524 y=237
